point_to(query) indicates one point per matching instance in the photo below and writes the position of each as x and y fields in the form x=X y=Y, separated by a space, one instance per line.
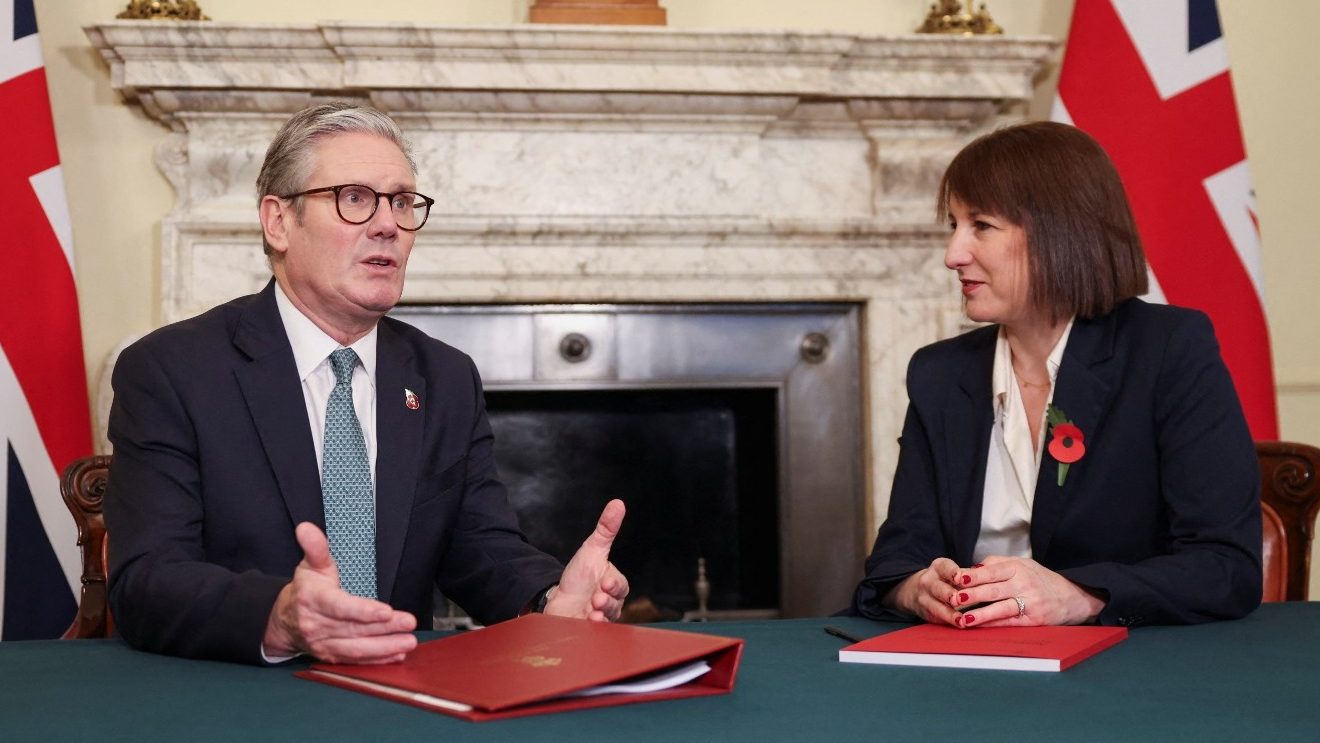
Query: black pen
x=841 y=634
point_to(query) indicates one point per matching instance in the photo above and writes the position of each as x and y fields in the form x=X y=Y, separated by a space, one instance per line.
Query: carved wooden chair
x=83 y=488
x=1289 y=501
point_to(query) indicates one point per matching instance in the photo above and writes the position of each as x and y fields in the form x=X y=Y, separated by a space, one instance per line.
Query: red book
x=1006 y=648
x=530 y=665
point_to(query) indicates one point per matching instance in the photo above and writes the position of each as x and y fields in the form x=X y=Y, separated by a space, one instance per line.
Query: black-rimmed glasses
x=357 y=204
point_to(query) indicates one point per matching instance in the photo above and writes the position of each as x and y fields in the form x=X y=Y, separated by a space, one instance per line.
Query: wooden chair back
x=83 y=488
x=1289 y=501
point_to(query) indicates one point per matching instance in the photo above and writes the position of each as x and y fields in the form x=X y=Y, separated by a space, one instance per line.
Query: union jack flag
x=44 y=420
x=1150 y=81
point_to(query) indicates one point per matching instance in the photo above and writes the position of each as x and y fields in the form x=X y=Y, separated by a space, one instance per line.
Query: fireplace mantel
x=175 y=69
x=603 y=164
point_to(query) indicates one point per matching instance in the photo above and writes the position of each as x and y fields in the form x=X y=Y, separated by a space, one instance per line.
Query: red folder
x=1004 y=648
x=525 y=666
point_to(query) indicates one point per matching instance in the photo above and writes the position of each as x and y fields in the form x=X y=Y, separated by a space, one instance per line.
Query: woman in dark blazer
x=1084 y=458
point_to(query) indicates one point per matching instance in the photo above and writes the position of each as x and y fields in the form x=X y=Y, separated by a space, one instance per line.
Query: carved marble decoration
x=619 y=164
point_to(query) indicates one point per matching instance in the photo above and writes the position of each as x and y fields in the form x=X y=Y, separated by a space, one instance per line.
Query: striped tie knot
x=342 y=362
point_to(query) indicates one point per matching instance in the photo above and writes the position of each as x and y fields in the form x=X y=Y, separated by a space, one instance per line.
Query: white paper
x=666 y=679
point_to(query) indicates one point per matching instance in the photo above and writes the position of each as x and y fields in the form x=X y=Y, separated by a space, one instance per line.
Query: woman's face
x=990 y=255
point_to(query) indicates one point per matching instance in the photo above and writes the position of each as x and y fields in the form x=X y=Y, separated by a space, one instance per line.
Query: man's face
x=343 y=276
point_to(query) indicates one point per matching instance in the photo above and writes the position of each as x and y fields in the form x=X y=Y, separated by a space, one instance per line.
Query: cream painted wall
x=117 y=197
x=1279 y=103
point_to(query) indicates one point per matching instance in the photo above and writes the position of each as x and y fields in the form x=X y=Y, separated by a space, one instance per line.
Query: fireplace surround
x=622 y=166
x=804 y=357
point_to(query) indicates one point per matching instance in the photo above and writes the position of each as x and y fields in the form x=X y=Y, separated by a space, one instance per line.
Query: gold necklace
x=1038 y=385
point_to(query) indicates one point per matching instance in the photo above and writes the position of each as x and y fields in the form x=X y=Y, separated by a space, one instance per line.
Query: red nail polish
x=979 y=565
x=962 y=598
x=967 y=579
x=968 y=619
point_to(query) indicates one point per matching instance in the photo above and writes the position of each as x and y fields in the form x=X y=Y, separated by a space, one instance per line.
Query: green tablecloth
x=1248 y=680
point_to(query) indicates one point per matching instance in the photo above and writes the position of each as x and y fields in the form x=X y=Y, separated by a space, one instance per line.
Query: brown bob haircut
x=1084 y=256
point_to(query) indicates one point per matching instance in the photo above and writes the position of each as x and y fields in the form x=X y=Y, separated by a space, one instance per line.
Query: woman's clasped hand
x=998 y=592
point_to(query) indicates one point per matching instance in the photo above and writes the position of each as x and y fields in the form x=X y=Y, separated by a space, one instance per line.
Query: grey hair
x=289 y=160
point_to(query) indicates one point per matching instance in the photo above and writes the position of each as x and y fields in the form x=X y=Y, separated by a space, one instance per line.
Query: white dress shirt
x=311 y=353
x=1013 y=463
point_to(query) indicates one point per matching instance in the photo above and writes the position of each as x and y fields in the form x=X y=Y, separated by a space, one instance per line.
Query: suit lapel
x=1084 y=388
x=274 y=397
x=399 y=432
x=967 y=422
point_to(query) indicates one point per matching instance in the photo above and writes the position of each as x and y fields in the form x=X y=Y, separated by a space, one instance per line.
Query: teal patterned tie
x=350 y=509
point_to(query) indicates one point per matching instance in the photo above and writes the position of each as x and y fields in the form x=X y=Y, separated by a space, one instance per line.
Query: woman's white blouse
x=1012 y=463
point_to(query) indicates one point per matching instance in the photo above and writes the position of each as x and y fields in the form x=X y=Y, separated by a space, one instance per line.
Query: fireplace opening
x=697 y=468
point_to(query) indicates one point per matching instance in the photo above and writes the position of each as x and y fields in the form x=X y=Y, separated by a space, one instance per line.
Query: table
x=1252 y=679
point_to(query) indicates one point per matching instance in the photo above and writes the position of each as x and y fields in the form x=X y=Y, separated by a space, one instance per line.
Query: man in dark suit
x=241 y=434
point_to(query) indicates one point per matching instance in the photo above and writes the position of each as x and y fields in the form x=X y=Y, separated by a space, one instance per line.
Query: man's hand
x=314 y=615
x=591 y=587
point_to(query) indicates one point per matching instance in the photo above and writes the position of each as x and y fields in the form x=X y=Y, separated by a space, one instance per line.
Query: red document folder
x=1006 y=648
x=525 y=666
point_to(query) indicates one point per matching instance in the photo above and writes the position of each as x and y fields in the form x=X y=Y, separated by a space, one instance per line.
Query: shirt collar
x=1055 y=359
x=1002 y=374
x=311 y=345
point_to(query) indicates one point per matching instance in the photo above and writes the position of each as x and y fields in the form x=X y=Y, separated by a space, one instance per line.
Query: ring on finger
x=1022 y=606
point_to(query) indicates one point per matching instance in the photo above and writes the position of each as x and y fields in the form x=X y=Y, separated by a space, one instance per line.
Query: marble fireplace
x=618 y=171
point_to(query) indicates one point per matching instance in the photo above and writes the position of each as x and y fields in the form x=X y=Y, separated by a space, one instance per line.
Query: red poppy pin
x=410 y=400
x=1067 y=444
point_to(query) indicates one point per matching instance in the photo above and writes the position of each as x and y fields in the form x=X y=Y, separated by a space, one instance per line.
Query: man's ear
x=276 y=215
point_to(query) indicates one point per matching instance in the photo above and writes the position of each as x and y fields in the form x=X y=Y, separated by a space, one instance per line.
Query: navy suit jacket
x=1161 y=516
x=214 y=465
